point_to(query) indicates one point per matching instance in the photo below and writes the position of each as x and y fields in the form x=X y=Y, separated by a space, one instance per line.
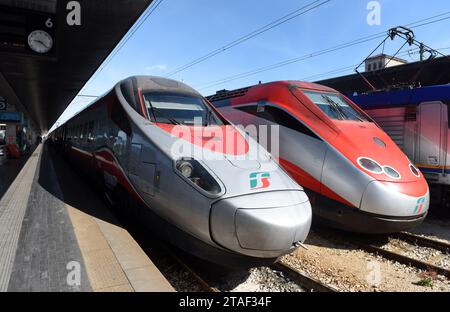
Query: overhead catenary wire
x=352 y=67
x=284 y=63
x=296 y=13
x=416 y=24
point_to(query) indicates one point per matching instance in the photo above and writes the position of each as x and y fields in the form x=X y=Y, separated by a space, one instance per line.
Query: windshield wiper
x=351 y=112
x=208 y=118
x=170 y=119
x=335 y=106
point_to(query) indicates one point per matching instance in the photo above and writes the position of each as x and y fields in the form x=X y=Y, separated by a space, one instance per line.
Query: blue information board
x=11 y=116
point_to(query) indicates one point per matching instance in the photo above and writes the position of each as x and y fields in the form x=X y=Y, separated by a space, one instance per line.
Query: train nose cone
x=397 y=206
x=387 y=199
x=264 y=225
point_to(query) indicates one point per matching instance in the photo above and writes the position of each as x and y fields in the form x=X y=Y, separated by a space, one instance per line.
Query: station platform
x=57 y=235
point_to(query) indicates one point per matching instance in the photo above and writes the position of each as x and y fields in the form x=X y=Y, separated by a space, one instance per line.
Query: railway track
x=313 y=285
x=161 y=252
x=202 y=278
x=400 y=258
x=305 y=281
x=202 y=281
x=423 y=241
x=368 y=245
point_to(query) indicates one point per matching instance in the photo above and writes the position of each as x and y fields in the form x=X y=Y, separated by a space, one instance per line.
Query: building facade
x=382 y=61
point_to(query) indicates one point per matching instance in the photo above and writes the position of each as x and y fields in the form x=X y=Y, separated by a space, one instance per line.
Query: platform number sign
x=3 y=103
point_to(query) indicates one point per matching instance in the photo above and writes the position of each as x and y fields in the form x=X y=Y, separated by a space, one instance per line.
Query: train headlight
x=370 y=165
x=414 y=170
x=392 y=172
x=185 y=168
x=193 y=171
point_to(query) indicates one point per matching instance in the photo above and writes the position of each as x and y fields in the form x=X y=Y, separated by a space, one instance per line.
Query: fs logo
x=259 y=180
x=419 y=207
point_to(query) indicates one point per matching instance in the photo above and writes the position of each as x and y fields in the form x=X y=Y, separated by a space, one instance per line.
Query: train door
x=433 y=133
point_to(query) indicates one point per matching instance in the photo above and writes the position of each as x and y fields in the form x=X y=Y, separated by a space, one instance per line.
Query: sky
x=180 y=31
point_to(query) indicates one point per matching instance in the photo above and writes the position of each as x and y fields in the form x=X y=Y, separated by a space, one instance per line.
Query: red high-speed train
x=356 y=177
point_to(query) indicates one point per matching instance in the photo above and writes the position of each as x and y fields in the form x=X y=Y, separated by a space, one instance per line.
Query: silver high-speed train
x=206 y=186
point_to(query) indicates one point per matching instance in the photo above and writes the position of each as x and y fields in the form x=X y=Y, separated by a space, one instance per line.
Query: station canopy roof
x=50 y=48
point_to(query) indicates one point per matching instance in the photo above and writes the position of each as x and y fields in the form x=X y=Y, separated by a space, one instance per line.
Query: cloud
x=157 y=67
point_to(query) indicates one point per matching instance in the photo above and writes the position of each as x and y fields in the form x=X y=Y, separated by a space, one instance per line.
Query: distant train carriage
x=418 y=120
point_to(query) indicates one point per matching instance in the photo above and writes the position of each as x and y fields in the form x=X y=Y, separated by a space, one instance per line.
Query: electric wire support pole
x=410 y=40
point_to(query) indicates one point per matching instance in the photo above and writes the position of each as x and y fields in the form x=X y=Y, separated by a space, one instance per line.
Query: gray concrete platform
x=9 y=171
x=57 y=235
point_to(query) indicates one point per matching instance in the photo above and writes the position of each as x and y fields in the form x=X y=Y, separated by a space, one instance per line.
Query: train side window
x=85 y=130
x=90 y=136
x=119 y=117
x=279 y=116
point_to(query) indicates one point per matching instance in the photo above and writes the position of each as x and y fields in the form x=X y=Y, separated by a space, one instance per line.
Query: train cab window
x=179 y=109
x=278 y=116
x=334 y=106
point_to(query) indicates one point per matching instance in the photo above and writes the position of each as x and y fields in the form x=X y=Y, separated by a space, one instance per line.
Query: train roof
x=402 y=97
x=158 y=84
x=131 y=85
x=228 y=94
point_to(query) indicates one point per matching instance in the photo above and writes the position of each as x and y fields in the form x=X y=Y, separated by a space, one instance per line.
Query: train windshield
x=334 y=105
x=180 y=110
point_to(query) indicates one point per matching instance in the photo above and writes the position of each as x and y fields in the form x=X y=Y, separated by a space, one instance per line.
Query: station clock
x=27 y=32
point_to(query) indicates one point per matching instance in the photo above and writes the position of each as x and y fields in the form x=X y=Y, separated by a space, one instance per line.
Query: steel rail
x=302 y=279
